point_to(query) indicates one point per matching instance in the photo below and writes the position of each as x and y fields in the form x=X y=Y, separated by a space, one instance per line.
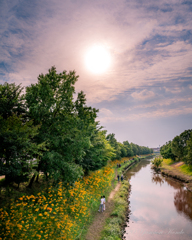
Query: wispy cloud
x=160 y=113
x=143 y=95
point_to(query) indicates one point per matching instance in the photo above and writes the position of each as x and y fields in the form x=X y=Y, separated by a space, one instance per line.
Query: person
x=119 y=165
x=101 y=205
x=121 y=177
x=118 y=177
x=104 y=203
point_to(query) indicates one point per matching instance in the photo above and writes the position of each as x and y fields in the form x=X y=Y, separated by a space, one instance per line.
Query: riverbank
x=59 y=212
x=109 y=225
x=179 y=171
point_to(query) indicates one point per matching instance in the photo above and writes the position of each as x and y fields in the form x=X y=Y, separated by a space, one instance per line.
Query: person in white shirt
x=104 y=203
x=101 y=204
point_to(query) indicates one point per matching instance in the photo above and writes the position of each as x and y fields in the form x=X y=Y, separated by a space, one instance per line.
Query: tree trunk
x=31 y=181
x=37 y=178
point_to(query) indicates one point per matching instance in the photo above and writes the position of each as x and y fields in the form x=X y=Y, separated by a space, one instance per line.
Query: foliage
x=179 y=148
x=179 y=145
x=157 y=162
x=166 y=151
x=113 y=142
x=46 y=131
x=17 y=148
x=189 y=150
x=126 y=149
x=16 y=136
x=11 y=100
x=58 y=213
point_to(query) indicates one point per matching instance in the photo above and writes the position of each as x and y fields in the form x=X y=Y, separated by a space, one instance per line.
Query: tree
x=50 y=103
x=11 y=100
x=177 y=148
x=113 y=142
x=134 y=149
x=179 y=145
x=128 y=149
x=16 y=136
x=189 y=150
x=99 y=152
x=166 y=151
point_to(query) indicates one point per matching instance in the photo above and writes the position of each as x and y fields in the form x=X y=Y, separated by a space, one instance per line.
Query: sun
x=98 y=59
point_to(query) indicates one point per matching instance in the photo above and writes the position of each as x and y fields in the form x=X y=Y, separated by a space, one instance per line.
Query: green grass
x=168 y=161
x=186 y=169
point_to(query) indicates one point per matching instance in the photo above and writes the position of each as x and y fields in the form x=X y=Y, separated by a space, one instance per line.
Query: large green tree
x=68 y=127
x=17 y=134
x=166 y=151
x=50 y=103
x=179 y=145
x=189 y=150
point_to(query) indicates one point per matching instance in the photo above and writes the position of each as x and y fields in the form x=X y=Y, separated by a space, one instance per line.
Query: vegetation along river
x=160 y=207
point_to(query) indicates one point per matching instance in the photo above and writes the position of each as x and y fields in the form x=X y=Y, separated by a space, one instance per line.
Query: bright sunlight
x=98 y=59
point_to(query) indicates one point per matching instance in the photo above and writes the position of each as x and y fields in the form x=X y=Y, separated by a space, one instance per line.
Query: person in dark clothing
x=122 y=178
x=118 y=177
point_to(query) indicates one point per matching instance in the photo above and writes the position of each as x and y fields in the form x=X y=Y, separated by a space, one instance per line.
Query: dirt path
x=178 y=164
x=99 y=220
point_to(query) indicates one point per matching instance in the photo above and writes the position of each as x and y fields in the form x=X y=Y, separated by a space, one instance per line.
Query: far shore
x=175 y=171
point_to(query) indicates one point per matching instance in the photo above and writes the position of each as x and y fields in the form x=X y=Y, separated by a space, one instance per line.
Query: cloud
x=143 y=95
x=173 y=90
x=150 y=43
x=105 y=112
x=160 y=113
x=164 y=102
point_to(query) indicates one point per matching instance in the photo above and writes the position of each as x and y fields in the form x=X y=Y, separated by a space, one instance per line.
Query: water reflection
x=183 y=202
x=160 y=207
x=157 y=178
x=137 y=168
x=182 y=198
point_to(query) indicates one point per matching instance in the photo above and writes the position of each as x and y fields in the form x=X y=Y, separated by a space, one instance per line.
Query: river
x=160 y=207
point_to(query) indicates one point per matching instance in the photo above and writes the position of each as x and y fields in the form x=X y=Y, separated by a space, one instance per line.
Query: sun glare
x=98 y=59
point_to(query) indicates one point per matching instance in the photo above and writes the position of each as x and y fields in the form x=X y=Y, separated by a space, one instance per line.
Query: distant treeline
x=46 y=131
x=180 y=148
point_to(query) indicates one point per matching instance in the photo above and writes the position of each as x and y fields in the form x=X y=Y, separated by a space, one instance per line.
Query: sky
x=145 y=95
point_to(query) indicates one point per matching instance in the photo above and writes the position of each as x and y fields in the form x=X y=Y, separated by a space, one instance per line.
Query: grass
x=166 y=164
x=168 y=161
x=186 y=169
x=183 y=169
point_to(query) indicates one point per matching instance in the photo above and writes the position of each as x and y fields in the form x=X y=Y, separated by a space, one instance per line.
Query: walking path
x=178 y=164
x=96 y=227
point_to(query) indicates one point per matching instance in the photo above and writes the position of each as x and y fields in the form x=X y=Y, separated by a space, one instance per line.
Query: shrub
x=157 y=162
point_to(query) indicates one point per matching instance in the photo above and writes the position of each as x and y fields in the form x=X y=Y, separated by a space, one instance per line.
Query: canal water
x=160 y=207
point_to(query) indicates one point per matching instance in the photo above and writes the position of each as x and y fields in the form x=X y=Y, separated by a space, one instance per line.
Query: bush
x=157 y=162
